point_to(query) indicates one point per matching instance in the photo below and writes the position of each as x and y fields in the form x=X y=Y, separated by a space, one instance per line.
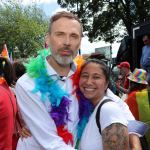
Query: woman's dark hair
x=6 y=70
x=102 y=65
x=19 y=69
x=134 y=86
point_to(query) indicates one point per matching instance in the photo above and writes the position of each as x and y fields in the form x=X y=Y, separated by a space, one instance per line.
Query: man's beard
x=63 y=60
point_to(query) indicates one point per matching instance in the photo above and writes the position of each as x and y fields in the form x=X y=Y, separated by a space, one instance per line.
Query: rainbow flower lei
x=58 y=98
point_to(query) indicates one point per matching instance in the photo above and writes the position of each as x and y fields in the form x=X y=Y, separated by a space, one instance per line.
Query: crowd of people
x=56 y=103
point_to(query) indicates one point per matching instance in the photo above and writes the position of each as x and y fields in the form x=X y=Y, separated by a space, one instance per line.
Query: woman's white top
x=110 y=113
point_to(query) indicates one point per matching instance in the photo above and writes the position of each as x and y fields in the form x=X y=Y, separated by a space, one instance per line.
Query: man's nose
x=67 y=41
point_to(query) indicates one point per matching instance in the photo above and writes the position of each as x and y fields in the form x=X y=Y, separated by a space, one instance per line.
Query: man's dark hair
x=63 y=14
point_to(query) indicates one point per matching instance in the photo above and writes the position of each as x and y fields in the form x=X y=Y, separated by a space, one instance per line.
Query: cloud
x=47 y=1
x=28 y=2
x=87 y=47
x=59 y=9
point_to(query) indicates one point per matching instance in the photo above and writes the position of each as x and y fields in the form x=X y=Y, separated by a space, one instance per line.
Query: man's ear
x=47 y=38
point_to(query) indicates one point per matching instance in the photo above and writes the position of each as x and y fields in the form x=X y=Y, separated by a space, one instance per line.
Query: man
x=145 y=58
x=125 y=72
x=39 y=91
x=64 y=38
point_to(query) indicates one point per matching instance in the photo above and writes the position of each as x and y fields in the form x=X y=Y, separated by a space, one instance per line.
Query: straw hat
x=138 y=76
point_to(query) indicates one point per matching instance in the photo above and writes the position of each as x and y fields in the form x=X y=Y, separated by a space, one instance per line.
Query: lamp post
x=78 y=16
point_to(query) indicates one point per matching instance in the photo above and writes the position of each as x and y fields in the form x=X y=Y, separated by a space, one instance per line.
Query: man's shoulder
x=23 y=78
x=25 y=81
x=146 y=47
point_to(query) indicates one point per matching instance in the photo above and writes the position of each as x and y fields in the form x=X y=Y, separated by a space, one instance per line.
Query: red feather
x=65 y=134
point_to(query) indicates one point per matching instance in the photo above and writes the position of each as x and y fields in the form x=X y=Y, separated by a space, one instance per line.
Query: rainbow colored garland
x=58 y=98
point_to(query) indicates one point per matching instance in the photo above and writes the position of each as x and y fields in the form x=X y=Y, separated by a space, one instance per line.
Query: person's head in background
x=19 y=69
x=124 y=68
x=94 y=80
x=64 y=37
x=7 y=71
x=138 y=80
x=146 y=39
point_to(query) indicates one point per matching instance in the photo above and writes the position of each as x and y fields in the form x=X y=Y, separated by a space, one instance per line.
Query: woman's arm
x=115 y=137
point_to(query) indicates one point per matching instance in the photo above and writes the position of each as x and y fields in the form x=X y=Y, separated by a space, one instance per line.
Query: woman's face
x=93 y=82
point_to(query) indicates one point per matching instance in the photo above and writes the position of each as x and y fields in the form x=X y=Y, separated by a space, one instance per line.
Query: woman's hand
x=134 y=142
x=25 y=133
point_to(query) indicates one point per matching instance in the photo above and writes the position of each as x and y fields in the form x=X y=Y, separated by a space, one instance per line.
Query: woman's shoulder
x=112 y=113
x=108 y=106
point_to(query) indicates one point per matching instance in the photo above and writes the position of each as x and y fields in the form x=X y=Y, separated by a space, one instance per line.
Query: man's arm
x=115 y=137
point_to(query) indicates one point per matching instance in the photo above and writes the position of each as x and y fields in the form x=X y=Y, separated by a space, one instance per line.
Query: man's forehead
x=61 y=25
x=61 y=20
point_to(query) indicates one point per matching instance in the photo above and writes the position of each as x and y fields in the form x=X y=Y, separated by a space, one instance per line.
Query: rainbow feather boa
x=58 y=98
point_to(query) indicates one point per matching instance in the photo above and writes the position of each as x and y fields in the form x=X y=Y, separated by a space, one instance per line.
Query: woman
x=138 y=99
x=8 y=107
x=93 y=83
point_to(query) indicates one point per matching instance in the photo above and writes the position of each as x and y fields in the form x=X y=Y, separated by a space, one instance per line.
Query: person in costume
x=8 y=106
x=46 y=93
x=138 y=98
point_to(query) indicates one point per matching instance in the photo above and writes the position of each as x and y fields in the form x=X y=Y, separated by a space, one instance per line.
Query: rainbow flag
x=143 y=101
x=4 y=52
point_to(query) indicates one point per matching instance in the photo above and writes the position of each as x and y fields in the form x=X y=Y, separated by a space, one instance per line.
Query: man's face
x=146 y=40
x=124 y=70
x=65 y=40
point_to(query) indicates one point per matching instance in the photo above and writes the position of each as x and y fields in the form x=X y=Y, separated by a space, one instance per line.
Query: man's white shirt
x=35 y=113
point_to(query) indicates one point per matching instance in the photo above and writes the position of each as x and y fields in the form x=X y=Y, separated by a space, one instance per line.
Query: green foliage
x=22 y=28
x=100 y=18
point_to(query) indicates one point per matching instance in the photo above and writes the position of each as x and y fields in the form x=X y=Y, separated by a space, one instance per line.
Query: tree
x=22 y=28
x=102 y=18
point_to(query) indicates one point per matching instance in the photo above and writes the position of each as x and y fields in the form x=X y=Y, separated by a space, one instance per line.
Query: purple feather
x=60 y=114
x=85 y=106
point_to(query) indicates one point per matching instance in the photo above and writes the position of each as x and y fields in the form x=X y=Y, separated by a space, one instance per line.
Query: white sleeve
x=37 y=119
x=110 y=113
x=123 y=106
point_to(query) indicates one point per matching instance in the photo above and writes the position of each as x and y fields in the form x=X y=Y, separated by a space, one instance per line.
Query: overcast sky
x=51 y=6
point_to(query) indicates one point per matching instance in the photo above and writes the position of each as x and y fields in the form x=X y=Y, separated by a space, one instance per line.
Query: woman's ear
x=106 y=87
